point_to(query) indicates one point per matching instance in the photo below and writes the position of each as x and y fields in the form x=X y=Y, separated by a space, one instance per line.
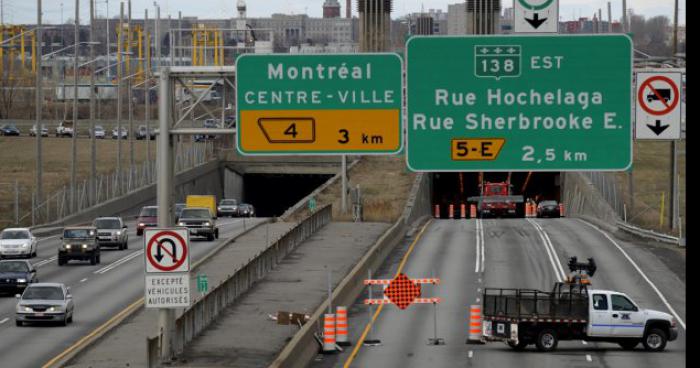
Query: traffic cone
x=472 y=211
x=463 y=211
x=329 y=333
x=561 y=209
x=475 y=333
x=451 y=214
x=341 y=326
x=437 y=211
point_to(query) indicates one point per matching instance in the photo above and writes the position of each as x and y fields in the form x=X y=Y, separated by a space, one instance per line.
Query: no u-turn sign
x=658 y=106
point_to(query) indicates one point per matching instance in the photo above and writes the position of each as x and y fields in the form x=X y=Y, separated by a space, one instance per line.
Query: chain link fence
x=62 y=203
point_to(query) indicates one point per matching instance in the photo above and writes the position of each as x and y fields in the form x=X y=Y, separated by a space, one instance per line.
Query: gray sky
x=24 y=11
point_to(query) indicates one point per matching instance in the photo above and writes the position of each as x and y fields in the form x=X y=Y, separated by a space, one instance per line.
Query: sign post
x=519 y=103
x=319 y=104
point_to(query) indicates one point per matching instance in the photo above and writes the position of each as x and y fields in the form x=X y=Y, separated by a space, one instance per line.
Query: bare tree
x=14 y=87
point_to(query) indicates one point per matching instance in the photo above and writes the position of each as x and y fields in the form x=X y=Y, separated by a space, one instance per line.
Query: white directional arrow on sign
x=536 y=16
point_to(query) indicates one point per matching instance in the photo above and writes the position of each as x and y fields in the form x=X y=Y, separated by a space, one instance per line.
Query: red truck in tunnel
x=497 y=200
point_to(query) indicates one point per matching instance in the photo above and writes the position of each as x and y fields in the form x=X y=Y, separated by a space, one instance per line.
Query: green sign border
x=632 y=102
x=402 y=140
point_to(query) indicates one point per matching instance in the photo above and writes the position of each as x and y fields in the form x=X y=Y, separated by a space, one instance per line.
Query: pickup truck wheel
x=216 y=233
x=61 y=261
x=93 y=260
x=629 y=345
x=210 y=237
x=520 y=346
x=655 y=340
x=19 y=323
x=126 y=244
x=547 y=340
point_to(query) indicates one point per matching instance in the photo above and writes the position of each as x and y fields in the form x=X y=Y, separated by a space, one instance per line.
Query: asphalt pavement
x=99 y=292
x=524 y=253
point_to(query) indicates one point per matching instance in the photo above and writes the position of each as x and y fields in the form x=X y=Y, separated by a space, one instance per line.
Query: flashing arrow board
x=536 y=16
x=319 y=104
x=658 y=107
x=552 y=103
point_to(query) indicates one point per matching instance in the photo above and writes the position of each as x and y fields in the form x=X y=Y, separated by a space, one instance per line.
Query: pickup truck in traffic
x=206 y=201
x=79 y=242
x=199 y=222
x=572 y=311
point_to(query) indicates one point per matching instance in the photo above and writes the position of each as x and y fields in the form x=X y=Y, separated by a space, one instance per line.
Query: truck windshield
x=78 y=234
x=107 y=224
x=195 y=213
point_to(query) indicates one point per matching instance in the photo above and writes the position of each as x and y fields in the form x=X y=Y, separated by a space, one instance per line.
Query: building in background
x=331 y=9
x=457 y=19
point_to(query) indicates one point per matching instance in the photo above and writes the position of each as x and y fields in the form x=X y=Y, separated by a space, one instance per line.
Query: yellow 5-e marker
x=476 y=149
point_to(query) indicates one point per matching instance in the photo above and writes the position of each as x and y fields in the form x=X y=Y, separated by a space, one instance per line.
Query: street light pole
x=119 y=97
x=93 y=144
x=146 y=89
x=129 y=96
x=38 y=105
x=74 y=150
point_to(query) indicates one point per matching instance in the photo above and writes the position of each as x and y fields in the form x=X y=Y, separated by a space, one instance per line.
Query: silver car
x=45 y=302
x=17 y=242
x=111 y=232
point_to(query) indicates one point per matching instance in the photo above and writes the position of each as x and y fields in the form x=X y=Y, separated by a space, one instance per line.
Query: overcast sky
x=24 y=11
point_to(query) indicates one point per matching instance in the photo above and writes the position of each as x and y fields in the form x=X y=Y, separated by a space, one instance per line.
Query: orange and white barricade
x=463 y=211
x=341 y=326
x=329 y=333
x=561 y=209
x=472 y=211
x=437 y=211
x=451 y=213
x=475 y=333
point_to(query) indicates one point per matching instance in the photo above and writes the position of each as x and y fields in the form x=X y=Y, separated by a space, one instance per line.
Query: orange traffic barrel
x=475 y=333
x=341 y=326
x=463 y=211
x=472 y=211
x=329 y=333
x=451 y=214
x=561 y=209
x=437 y=211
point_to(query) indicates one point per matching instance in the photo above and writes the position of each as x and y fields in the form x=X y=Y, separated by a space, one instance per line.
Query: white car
x=17 y=242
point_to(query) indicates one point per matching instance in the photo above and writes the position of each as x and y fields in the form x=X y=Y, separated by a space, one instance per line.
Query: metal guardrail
x=204 y=311
x=649 y=234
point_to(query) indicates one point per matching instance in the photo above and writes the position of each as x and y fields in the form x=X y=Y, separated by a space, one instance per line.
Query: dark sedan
x=548 y=209
x=15 y=275
x=9 y=129
x=148 y=217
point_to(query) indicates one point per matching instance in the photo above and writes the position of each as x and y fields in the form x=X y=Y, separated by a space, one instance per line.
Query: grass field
x=17 y=162
x=651 y=173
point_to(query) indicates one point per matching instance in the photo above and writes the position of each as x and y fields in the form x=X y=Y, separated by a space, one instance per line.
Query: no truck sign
x=658 y=106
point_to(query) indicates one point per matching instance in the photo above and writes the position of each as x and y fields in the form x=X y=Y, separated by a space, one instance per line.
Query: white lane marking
x=483 y=250
x=46 y=261
x=49 y=237
x=551 y=247
x=549 y=254
x=588 y=357
x=478 y=234
x=584 y=342
x=116 y=263
x=83 y=280
x=471 y=354
x=4 y=320
x=661 y=296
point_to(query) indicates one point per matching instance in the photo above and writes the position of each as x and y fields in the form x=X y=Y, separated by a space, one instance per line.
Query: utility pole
x=624 y=17
x=109 y=70
x=164 y=192
x=119 y=97
x=157 y=40
x=74 y=137
x=38 y=104
x=130 y=133
x=344 y=169
x=674 y=209
x=609 y=18
x=93 y=144
x=146 y=88
x=179 y=37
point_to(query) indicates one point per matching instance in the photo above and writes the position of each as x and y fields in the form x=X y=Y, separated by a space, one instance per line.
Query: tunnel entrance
x=455 y=188
x=272 y=194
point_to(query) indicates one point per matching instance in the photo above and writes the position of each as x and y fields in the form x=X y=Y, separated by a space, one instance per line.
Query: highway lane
x=518 y=253
x=99 y=291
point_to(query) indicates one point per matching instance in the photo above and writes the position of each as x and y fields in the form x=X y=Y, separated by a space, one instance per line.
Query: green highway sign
x=319 y=104
x=519 y=103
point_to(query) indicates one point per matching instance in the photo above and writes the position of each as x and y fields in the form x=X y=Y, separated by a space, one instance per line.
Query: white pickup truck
x=571 y=311
x=65 y=129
